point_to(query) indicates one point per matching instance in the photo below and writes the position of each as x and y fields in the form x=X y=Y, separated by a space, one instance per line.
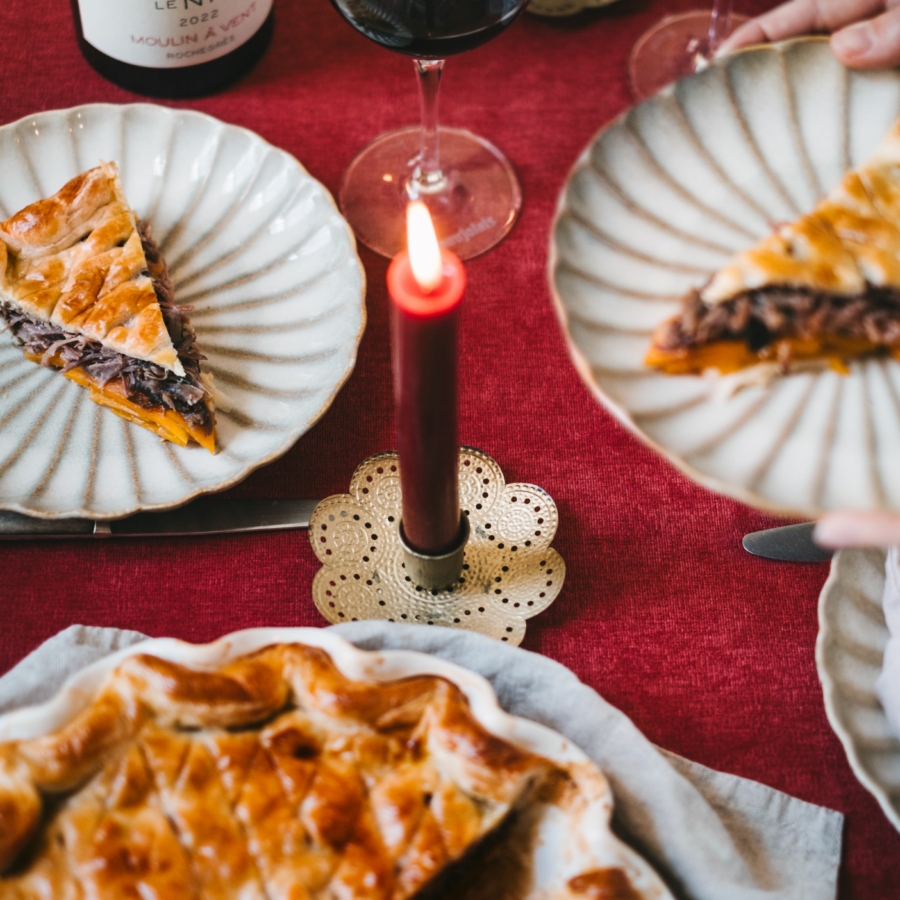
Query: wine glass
x=678 y=45
x=467 y=184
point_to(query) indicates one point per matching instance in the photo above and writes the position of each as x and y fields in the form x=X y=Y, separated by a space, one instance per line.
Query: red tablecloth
x=708 y=650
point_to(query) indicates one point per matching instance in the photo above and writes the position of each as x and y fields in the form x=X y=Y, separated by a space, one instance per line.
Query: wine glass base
x=473 y=209
x=669 y=50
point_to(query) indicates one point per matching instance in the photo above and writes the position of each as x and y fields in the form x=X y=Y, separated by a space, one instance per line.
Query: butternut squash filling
x=175 y=407
x=84 y=288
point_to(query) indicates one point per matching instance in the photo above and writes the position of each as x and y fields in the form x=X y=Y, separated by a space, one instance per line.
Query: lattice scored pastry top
x=822 y=289
x=272 y=776
x=84 y=288
x=75 y=260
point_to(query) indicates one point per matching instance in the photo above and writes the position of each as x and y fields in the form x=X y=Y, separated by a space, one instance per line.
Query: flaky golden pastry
x=851 y=239
x=825 y=287
x=75 y=260
x=84 y=288
x=274 y=776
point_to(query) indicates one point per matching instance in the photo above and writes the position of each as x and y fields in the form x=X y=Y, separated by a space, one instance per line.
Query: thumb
x=870 y=45
x=858 y=529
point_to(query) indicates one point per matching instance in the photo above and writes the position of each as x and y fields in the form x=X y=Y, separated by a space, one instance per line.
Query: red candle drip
x=424 y=336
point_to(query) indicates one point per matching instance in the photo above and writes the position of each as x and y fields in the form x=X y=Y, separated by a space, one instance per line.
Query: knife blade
x=208 y=515
x=789 y=543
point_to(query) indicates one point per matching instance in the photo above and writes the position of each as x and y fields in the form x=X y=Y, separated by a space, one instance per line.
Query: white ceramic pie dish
x=258 y=249
x=572 y=837
x=660 y=199
x=850 y=648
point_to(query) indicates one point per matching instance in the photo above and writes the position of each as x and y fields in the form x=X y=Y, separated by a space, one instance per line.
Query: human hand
x=858 y=529
x=865 y=34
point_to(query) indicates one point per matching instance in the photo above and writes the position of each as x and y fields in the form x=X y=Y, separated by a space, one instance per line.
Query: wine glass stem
x=718 y=25
x=428 y=176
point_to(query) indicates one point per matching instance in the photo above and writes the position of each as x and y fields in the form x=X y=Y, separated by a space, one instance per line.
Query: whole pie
x=83 y=287
x=824 y=289
x=273 y=777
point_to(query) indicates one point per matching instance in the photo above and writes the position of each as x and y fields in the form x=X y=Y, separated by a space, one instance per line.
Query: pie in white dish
x=260 y=766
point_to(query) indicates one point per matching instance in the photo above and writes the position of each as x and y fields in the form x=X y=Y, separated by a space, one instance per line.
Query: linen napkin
x=710 y=835
x=888 y=685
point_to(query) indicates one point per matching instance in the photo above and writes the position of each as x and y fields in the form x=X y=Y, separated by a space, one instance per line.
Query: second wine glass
x=468 y=185
x=679 y=45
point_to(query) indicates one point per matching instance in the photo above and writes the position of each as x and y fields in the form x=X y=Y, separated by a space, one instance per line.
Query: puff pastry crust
x=75 y=260
x=826 y=286
x=81 y=284
x=274 y=776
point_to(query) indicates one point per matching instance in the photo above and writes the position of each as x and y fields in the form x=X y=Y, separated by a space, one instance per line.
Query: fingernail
x=853 y=41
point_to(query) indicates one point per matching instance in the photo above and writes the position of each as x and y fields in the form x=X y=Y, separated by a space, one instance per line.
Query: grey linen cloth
x=710 y=835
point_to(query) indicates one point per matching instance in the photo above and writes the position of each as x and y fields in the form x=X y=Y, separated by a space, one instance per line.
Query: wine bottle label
x=168 y=34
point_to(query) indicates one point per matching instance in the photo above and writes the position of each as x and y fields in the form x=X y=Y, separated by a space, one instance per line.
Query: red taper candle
x=426 y=286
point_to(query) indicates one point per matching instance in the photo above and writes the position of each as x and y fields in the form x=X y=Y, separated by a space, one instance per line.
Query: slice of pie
x=273 y=777
x=822 y=290
x=83 y=287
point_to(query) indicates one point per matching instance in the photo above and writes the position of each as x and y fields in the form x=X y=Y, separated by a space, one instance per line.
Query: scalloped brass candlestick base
x=510 y=572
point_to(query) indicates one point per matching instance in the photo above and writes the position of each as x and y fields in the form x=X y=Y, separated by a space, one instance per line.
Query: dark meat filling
x=762 y=317
x=144 y=383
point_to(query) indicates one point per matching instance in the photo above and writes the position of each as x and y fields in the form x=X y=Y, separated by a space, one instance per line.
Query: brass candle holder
x=505 y=571
x=435 y=571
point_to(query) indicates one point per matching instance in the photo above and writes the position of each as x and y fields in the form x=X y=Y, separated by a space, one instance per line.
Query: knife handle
x=16 y=525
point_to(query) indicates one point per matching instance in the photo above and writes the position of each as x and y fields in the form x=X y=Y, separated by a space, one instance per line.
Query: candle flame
x=424 y=250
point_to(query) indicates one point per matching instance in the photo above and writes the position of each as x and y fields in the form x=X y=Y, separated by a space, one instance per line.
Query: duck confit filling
x=144 y=383
x=761 y=318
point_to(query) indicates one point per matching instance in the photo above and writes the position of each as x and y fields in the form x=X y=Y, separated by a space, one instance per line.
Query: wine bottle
x=173 y=48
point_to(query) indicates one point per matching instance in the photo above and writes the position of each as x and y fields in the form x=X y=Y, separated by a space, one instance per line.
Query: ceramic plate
x=662 y=198
x=849 y=654
x=256 y=247
x=572 y=834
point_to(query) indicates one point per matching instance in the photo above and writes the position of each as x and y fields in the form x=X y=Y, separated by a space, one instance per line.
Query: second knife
x=790 y=543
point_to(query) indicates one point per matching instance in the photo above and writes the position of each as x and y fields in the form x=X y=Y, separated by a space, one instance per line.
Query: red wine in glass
x=468 y=185
x=430 y=29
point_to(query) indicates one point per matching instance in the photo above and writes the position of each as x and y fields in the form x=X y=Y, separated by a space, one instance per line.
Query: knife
x=790 y=543
x=208 y=515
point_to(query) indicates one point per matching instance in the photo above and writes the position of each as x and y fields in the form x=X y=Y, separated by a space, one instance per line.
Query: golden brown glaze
x=847 y=248
x=75 y=260
x=851 y=239
x=273 y=777
x=46 y=226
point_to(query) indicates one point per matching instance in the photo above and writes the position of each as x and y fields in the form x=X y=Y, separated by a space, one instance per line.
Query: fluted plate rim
x=291 y=435
x=582 y=365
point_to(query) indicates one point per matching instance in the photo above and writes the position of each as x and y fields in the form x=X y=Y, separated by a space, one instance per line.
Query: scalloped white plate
x=849 y=653
x=572 y=836
x=662 y=198
x=259 y=250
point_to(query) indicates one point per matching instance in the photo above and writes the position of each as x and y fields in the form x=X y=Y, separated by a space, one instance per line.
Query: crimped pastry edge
x=582 y=839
